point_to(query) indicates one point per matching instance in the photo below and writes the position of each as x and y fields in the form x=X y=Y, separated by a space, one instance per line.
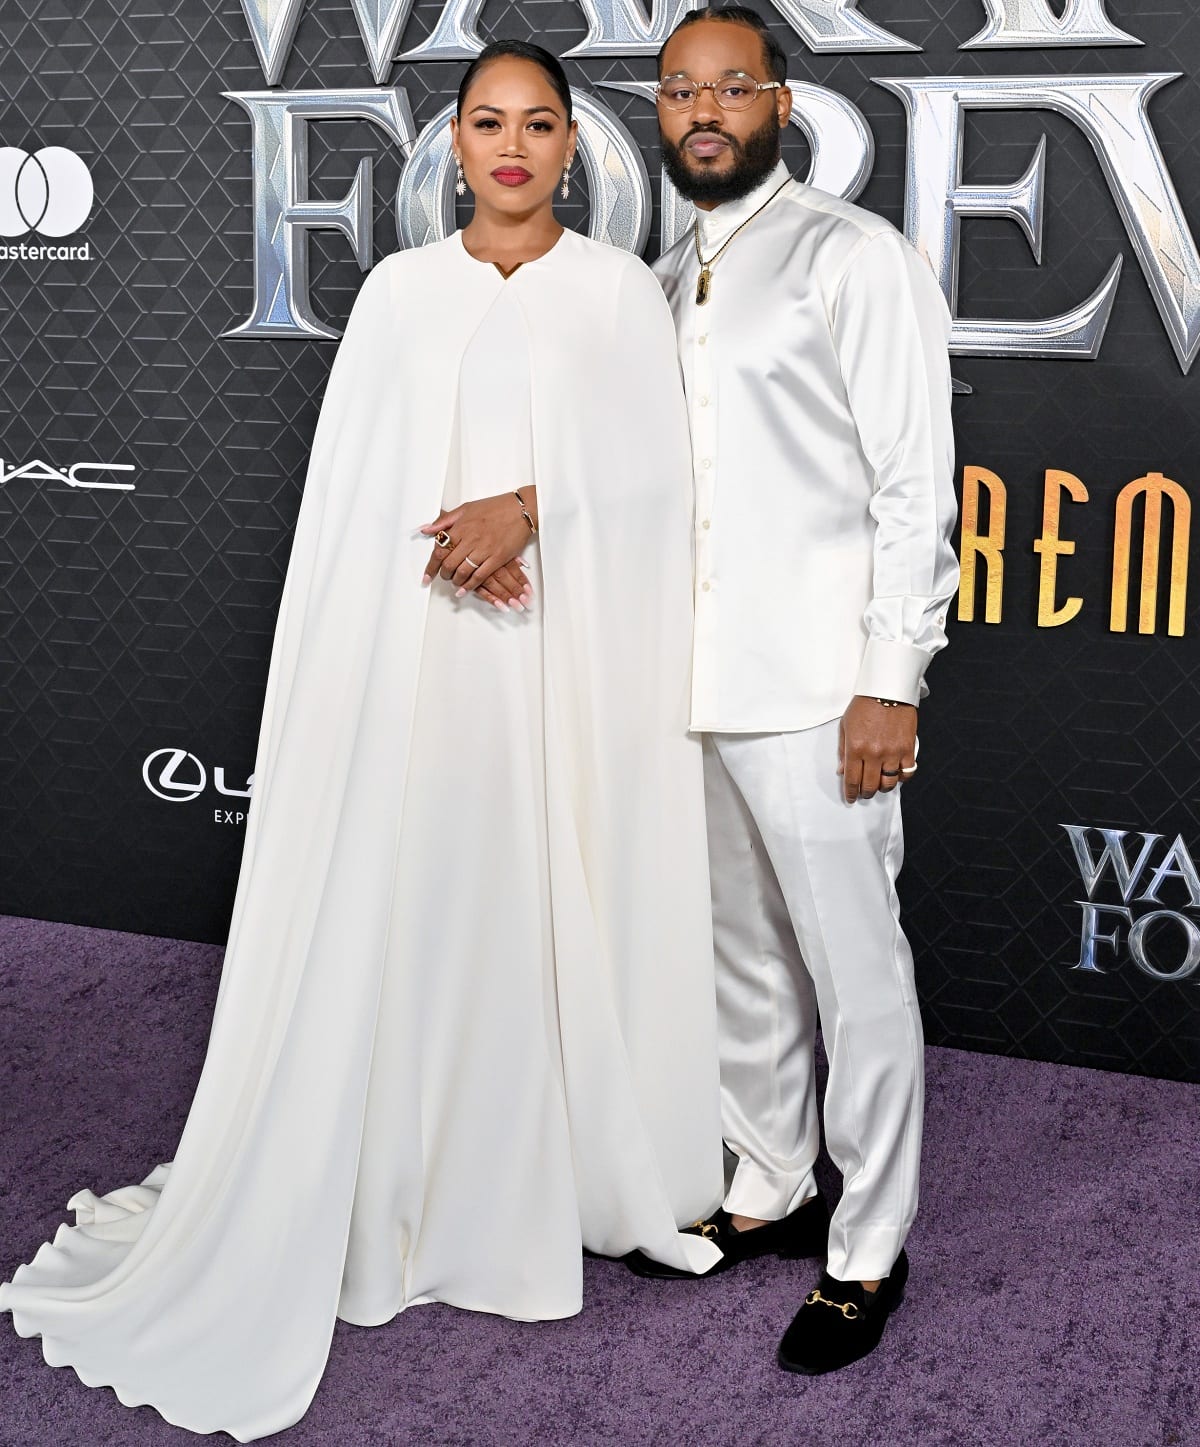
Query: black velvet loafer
x=805 y=1232
x=840 y=1322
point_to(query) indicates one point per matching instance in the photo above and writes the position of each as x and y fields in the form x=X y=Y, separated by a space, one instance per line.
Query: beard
x=753 y=161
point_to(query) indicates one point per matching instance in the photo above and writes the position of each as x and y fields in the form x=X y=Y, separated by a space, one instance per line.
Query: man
x=813 y=344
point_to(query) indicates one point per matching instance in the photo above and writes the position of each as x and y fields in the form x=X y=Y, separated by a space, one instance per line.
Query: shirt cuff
x=892 y=670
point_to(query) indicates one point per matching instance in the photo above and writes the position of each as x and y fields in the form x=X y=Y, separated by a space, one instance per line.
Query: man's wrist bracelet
x=525 y=514
x=894 y=703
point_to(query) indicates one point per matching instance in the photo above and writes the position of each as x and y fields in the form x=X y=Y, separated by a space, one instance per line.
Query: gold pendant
x=703 y=283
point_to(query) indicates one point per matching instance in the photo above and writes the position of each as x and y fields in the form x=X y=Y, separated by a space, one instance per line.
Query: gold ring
x=443 y=539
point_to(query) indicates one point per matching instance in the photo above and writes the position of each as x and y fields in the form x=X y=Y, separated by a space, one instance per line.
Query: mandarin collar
x=717 y=225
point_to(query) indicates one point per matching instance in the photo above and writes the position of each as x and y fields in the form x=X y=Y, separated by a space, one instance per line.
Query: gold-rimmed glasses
x=733 y=91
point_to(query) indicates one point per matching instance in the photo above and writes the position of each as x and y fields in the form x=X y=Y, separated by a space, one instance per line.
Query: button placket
x=704 y=438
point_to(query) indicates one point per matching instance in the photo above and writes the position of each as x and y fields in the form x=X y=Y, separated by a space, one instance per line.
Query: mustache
x=710 y=130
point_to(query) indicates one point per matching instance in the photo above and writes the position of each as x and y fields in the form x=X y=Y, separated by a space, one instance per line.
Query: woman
x=465 y=1024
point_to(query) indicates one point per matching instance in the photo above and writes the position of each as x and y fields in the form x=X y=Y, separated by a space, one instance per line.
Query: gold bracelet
x=525 y=514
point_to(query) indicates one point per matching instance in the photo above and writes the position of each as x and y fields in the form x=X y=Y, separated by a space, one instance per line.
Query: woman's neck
x=511 y=240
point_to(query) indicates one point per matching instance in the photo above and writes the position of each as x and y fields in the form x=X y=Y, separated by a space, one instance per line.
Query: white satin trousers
x=807 y=931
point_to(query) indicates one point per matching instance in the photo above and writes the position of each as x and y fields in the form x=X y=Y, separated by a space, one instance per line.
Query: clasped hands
x=486 y=539
x=876 y=744
x=877 y=747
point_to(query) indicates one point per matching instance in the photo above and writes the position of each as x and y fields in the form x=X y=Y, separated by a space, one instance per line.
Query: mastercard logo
x=50 y=191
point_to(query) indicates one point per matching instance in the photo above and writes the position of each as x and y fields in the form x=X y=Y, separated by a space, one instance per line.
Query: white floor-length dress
x=466 y=1098
x=466 y=1023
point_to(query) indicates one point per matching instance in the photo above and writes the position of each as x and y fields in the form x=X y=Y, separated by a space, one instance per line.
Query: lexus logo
x=179 y=777
x=50 y=192
x=174 y=775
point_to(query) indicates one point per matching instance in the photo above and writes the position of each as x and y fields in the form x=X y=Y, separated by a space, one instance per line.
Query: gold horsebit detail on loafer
x=705 y=1228
x=848 y=1308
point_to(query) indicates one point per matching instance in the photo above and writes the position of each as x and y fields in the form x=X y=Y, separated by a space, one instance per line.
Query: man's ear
x=783 y=106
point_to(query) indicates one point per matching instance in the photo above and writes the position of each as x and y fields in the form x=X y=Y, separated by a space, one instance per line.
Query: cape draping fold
x=211 y=1291
x=215 y=1299
x=636 y=982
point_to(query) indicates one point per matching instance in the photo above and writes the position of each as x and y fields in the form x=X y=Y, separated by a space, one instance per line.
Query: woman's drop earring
x=461 y=186
x=566 y=182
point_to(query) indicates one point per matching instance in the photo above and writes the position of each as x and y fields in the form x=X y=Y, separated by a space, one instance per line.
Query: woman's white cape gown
x=211 y=1290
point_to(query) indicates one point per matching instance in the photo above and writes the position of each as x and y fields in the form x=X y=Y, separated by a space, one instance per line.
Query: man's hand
x=485 y=537
x=876 y=747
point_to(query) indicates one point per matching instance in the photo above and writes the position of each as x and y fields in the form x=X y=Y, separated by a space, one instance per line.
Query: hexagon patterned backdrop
x=151 y=463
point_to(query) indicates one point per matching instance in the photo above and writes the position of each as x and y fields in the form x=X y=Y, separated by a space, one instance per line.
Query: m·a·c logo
x=49 y=191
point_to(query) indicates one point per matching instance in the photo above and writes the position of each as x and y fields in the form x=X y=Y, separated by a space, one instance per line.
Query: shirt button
x=706 y=586
x=704 y=401
x=706 y=524
x=707 y=463
x=702 y=339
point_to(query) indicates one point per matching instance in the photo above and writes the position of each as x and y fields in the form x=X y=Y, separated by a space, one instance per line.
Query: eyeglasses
x=734 y=91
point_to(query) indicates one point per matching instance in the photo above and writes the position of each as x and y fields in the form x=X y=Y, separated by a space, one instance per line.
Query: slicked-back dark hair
x=773 y=52
x=518 y=50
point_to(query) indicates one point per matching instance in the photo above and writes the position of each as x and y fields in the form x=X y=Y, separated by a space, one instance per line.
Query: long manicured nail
x=461 y=592
x=518 y=606
x=426 y=580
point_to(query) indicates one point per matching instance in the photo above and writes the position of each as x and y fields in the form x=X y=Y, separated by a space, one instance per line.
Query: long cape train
x=211 y=1290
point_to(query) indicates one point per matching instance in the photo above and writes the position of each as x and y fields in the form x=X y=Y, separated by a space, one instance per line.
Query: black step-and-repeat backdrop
x=189 y=195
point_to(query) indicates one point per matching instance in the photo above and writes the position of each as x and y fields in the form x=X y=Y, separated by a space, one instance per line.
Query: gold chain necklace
x=704 y=280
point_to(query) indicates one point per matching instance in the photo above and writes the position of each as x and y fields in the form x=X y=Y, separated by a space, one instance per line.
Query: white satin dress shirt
x=818 y=385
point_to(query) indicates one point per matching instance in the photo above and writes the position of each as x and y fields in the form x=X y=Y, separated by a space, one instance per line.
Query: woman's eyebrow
x=499 y=110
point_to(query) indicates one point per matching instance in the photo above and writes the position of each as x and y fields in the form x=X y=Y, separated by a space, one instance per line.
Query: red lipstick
x=512 y=175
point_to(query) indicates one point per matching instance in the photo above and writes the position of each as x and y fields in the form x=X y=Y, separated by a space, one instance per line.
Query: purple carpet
x=1055 y=1293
